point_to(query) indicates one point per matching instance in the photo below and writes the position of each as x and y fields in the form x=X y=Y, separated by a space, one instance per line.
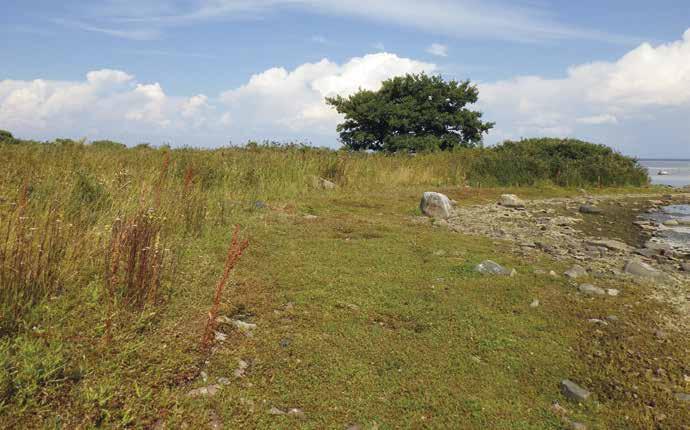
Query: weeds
x=235 y=251
x=134 y=263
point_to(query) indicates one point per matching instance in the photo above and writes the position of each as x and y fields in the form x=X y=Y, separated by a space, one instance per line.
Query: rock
x=574 y=425
x=436 y=205
x=575 y=272
x=259 y=204
x=325 y=184
x=275 y=411
x=219 y=336
x=589 y=209
x=591 y=290
x=241 y=368
x=612 y=318
x=612 y=292
x=597 y=321
x=297 y=413
x=244 y=327
x=284 y=343
x=223 y=381
x=613 y=245
x=640 y=269
x=685 y=222
x=310 y=217
x=683 y=397
x=671 y=223
x=553 y=274
x=534 y=304
x=207 y=391
x=685 y=266
x=489 y=267
x=574 y=392
x=511 y=201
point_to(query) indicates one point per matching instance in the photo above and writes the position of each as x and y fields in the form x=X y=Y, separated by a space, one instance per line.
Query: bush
x=107 y=144
x=563 y=162
x=6 y=137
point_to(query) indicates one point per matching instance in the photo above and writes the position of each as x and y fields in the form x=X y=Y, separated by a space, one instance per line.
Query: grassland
x=363 y=317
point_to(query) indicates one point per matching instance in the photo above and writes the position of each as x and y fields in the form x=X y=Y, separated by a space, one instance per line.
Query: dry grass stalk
x=134 y=263
x=235 y=251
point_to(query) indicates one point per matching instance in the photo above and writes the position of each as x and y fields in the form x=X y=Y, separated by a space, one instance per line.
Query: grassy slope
x=428 y=343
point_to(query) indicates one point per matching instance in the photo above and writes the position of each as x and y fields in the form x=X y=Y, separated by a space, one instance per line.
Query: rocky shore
x=601 y=237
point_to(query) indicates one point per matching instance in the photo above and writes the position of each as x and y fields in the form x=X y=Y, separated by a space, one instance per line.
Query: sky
x=206 y=73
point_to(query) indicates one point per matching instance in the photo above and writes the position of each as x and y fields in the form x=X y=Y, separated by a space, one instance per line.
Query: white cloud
x=642 y=97
x=294 y=100
x=638 y=88
x=437 y=49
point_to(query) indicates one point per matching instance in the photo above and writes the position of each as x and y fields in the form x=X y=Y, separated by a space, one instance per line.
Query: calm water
x=678 y=171
x=676 y=236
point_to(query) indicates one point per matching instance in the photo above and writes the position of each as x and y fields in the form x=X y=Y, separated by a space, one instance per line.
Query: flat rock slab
x=613 y=245
x=574 y=392
x=575 y=272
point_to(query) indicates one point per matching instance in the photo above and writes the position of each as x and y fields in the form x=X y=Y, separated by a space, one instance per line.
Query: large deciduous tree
x=411 y=113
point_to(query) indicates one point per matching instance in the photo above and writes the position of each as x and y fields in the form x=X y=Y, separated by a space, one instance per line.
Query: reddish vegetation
x=235 y=251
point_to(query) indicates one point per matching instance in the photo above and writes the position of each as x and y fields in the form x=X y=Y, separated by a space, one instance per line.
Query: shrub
x=6 y=137
x=564 y=162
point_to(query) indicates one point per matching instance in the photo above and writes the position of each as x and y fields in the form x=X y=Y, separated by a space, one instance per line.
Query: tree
x=6 y=137
x=411 y=113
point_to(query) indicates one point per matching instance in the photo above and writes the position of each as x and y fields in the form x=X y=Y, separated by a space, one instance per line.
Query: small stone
x=591 y=290
x=245 y=327
x=297 y=413
x=553 y=274
x=204 y=376
x=241 y=368
x=640 y=269
x=220 y=337
x=612 y=292
x=511 y=201
x=574 y=392
x=589 y=209
x=612 y=318
x=310 y=217
x=275 y=411
x=284 y=343
x=660 y=334
x=207 y=391
x=223 y=381
x=597 y=321
x=489 y=267
x=534 y=304
x=575 y=272
x=670 y=223
x=574 y=425
x=259 y=204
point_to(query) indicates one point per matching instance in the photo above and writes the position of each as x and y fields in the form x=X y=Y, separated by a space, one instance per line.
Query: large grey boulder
x=488 y=267
x=511 y=201
x=641 y=269
x=436 y=205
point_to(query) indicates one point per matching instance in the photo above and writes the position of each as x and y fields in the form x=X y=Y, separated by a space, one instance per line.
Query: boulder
x=671 y=223
x=488 y=267
x=574 y=392
x=685 y=266
x=323 y=183
x=640 y=269
x=436 y=205
x=511 y=201
x=590 y=209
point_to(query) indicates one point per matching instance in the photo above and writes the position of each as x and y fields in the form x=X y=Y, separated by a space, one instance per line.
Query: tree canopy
x=415 y=112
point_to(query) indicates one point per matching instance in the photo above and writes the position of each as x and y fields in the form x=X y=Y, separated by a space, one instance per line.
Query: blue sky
x=202 y=72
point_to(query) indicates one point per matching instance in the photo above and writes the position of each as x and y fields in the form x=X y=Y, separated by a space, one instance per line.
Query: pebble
x=574 y=392
x=489 y=267
x=275 y=411
x=575 y=272
x=612 y=292
x=534 y=304
x=310 y=217
x=589 y=209
x=296 y=412
x=241 y=368
x=591 y=290
x=207 y=391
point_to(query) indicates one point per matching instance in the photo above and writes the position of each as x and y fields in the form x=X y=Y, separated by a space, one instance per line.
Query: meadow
x=117 y=286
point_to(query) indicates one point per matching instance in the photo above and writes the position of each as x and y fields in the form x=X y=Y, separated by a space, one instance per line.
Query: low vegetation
x=115 y=267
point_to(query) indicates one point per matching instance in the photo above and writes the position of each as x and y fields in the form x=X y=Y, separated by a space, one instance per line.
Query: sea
x=678 y=171
x=678 y=175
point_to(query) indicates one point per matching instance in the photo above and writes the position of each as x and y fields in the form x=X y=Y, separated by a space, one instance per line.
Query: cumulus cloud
x=642 y=97
x=294 y=100
x=437 y=49
x=643 y=86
